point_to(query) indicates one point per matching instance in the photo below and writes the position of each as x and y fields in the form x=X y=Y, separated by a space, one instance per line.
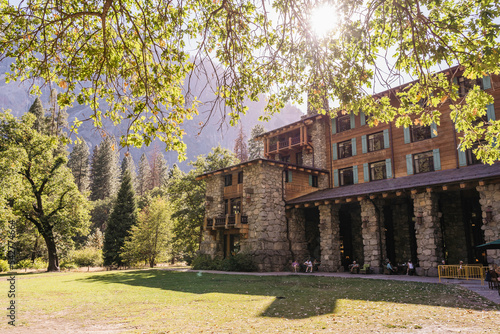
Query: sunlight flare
x=324 y=19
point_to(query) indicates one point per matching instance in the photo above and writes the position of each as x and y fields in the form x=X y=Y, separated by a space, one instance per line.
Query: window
x=235 y=205
x=285 y=158
x=375 y=141
x=419 y=132
x=298 y=158
x=344 y=123
x=471 y=157
x=240 y=177
x=288 y=176
x=346 y=176
x=423 y=162
x=228 y=180
x=345 y=149
x=226 y=207
x=378 y=171
x=466 y=84
x=314 y=181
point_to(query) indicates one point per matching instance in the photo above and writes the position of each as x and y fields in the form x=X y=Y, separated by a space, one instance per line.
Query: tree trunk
x=51 y=247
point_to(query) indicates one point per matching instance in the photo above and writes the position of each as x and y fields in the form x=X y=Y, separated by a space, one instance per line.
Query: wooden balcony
x=236 y=221
x=236 y=190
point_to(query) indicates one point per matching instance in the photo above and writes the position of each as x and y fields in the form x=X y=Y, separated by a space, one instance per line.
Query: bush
x=39 y=264
x=239 y=262
x=67 y=265
x=205 y=262
x=24 y=264
x=4 y=266
x=87 y=257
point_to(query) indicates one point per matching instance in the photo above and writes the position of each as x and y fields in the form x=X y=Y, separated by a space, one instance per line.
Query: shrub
x=206 y=262
x=39 y=264
x=24 y=264
x=67 y=265
x=239 y=262
x=4 y=266
x=87 y=257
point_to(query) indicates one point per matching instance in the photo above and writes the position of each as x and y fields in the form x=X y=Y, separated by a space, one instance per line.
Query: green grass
x=178 y=302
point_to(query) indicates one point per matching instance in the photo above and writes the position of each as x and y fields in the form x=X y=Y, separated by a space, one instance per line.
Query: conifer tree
x=79 y=164
x=121 y=220
x=128 y=164
x=158 y=170
x=240 y=146
x=37 y=110
x=144 y=182
x=104 y=170
x=256 y=147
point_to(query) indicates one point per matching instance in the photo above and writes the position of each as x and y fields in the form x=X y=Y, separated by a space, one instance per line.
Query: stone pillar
x=428 y=234
x=329 y=229
x=317 y=158
x=372 y=237
x=490 y=199
x=214 y=207
x=297 y=233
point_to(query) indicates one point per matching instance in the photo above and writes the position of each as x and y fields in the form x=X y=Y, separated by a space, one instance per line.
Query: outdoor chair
x=365 y=269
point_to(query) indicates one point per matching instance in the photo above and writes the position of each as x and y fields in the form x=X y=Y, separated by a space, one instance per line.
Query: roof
x=449 y=176
x=289 y=125
x=260 y=161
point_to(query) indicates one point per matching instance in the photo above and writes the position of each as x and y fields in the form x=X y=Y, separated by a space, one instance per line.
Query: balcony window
x=235 y=205
x=375 y=141
x=299 y=159
x=423 y=162
x=343 y=123
x=240 y=177
x=228 y=180
x=346 y=176
x=345 y=149
x=420 y=132
x=285 y=158
x=378 y=171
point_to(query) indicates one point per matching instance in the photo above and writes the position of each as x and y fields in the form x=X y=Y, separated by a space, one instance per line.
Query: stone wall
x=329 y=228
x=264 y=205
x=490 y=197
x=428 y=234
x=211 y=244
x=371 y=235
x=297 y=234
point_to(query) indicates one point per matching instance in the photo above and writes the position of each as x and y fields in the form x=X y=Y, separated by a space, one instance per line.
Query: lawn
x=151 y=301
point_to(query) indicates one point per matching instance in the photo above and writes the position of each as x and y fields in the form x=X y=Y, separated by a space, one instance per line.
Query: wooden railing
x=295 y=140
x=273 y=147
x=228 y=221
x=234 y=190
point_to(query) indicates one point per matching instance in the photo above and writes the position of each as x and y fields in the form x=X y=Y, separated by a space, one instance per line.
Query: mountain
x=15 y=96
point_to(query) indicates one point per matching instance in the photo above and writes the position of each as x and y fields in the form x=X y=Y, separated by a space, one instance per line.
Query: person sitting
x=354 y=268
x=410 y=268
x=391 y=268
x=316 y=264
x=295 y=266
x=309 y=266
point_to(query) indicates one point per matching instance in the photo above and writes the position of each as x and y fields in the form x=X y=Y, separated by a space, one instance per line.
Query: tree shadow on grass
x=299 y=297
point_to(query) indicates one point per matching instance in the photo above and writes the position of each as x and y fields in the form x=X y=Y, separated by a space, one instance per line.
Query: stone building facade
x=337 y=190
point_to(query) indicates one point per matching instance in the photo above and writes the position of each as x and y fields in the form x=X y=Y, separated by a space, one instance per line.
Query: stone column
x=490 y=199
x=329 y=229
x=372 y=238
x=428 y=234
x=297 y=233
x=214 y=207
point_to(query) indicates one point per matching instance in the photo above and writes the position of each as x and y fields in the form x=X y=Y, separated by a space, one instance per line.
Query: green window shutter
x=362 y=118
x=355 y=174
x=462 y=158
x=310 y=180
x=388 y=168
x=364 y=147
x=334 y=151
x=409 y=164
x=289 y=176
x=486 y=82
x=434 y=131
x=437 y=159
x=351 y=115
x=366 y=172
x=407 y=135
x=490 y=112
x=353 y=144
x=386 y=138
x=334 y=126
x=335 y=177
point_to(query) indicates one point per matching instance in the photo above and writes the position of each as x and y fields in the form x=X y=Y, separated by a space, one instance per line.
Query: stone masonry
x=329 y=227
x=490 y=197
x=296 y=234
x=428 y=234
x=371 y=235
x=214 y=207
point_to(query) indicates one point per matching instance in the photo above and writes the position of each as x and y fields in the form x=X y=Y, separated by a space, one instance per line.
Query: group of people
x=410 y=268
x=308 y=265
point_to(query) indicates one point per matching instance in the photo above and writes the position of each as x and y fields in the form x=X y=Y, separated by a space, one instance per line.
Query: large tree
x=46 y=195
x=121 y=220
x=78 y=162
x=144 y=180
x=105 y=172
x=240 y=146
x=134 y=55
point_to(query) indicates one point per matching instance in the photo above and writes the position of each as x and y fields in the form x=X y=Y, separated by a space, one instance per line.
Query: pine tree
x=37 y=110
x=123 y=217
x=256 y=147
x=240 y=146
x=129 y=164
x=144 y=182
x=79 y=164
x=104 y=170
x=158 y=170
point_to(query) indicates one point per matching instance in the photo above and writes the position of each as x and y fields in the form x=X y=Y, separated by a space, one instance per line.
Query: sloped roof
x=449 y=176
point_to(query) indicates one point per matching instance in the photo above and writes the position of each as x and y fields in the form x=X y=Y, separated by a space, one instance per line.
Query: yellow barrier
x=476 y=272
